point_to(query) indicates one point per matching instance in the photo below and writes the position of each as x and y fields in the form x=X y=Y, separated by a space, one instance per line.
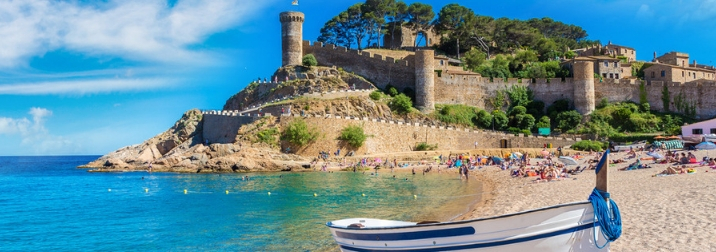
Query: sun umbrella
x=706 y=146
x=517 y=153
x=655 y=155
x=567 y=160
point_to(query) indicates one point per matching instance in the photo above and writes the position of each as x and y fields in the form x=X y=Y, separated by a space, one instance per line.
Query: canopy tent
x=670 y=145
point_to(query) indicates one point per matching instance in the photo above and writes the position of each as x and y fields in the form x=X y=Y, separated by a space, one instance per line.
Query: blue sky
x=89 y=77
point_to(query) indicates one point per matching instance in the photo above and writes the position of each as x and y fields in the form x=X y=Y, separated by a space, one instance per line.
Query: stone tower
x=424 y=80
x=291 y=37
x=583 y=86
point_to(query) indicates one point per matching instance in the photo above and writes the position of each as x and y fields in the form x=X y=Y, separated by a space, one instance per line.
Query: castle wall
x=389 y=137
x=374 y=67
x=476 y=91
x=223 y=128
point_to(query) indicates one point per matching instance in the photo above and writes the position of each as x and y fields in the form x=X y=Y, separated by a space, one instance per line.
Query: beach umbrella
x=706 y=146
x=659 y=137
x=567 y=160
x=517 y=154
x=655 y=155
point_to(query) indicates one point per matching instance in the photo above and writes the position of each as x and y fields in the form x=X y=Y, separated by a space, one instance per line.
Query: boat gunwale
x=329 y=224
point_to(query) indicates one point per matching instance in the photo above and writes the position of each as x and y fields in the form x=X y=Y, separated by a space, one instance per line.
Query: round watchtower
x=583 y=86
x=424 y=80
x=291 y=37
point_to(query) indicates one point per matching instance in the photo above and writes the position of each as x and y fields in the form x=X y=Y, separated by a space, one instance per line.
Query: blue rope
x=610 y=222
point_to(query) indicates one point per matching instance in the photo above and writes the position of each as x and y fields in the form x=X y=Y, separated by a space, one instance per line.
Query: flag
x=295 y=2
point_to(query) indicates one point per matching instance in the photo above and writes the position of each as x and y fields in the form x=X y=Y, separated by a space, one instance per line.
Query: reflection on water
x=74 y=210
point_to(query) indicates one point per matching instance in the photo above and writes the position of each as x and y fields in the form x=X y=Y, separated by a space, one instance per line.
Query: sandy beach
x=663 y=213
x=659 y=213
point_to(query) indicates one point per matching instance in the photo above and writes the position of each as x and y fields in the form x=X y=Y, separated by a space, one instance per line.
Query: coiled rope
x=606 y=216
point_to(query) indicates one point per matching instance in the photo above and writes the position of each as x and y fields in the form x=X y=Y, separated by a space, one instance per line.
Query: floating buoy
x=227 y=191
x=415 y=196
x=146 y=189
x=363 y=194
x=314 y=195
x=184 y=191
x=109 y=189
x=269 y=193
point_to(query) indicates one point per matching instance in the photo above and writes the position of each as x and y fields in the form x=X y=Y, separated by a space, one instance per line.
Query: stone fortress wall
x=374 y=67
x=455 y=88
x=391 y=136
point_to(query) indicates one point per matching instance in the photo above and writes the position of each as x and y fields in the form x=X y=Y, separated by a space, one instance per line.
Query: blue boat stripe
x=429 y=234
x=481 y=245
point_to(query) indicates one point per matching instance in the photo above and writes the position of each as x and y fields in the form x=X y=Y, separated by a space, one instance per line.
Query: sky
x=86 y=77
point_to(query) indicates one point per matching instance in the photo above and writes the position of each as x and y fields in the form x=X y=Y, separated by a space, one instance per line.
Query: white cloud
x=644 y=12
x=144 y=30
x=34 y=134
x=83 y=86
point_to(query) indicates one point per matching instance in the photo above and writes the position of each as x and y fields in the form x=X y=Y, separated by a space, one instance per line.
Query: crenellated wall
x=375 y=67
x=392 y=136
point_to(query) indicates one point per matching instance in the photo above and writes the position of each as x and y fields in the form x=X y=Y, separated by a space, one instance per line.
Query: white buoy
x=363 y=194
x=184 y=191
x=146 y=189
x=415 y=196
x=314 y=194
x=109 y=189
x=269 y=193
x=227 y=191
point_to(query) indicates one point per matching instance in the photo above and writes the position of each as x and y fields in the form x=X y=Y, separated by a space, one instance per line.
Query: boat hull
x=566 y=227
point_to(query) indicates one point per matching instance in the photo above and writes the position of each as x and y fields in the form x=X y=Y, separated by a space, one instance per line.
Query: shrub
x=353 y=135
x=309 y=60
x=298 y=133
x=391 y=90
x=603 y=103
x=526 y=132
x=456 y=114
x=401 y=103
x=483 y=119
x=568 y=120
x=267 y=136
x=500 y=119
x=589 y=145
x=513 y=130
x=423 y=146
x=644 y=107
x=544 y=122
x=375 y=95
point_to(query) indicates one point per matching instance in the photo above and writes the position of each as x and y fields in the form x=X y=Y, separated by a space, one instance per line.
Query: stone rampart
x=392 y=136
x=223 y=126
x=374 y=67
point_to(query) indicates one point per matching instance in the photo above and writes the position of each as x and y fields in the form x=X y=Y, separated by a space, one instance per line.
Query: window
x=697 y=131
x=682 y=73
x=606 y=64
x=442 y=62
x=713 y=131
x=663 y=73
x=615 y=64
x=611 y=76
x=616 y=76
x=652 y=74
x=604 y=75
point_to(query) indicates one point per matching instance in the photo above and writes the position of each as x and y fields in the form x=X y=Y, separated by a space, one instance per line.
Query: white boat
x=635 y=146
x=567 y=227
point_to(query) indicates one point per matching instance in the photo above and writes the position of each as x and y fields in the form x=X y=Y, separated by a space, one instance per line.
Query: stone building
x=618 y=50
x=605 y=66
x=675 y=67
x=405 y=38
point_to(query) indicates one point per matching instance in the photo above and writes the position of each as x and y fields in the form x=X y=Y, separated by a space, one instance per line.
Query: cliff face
x=301 y=80
x=181 y=149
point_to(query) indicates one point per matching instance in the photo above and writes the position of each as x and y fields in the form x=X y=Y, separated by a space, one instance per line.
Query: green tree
x=353 y=135
x=473 y=59
x=298 y=133
x=309 y=60
x=375 y=12
x=500 y=120
x=568 y=120
x=397 y=14
x=519 y=96
x=483 y=119
x=456 y=21
x=401 y=103
x=544 y=122
x=420 y=17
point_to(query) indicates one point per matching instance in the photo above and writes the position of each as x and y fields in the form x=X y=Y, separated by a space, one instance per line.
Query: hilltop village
x=404 y=99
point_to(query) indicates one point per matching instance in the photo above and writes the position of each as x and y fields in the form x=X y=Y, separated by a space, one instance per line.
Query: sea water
x=46 y=204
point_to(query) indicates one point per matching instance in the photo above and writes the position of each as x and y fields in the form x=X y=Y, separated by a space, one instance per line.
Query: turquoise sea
x=46 y=204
